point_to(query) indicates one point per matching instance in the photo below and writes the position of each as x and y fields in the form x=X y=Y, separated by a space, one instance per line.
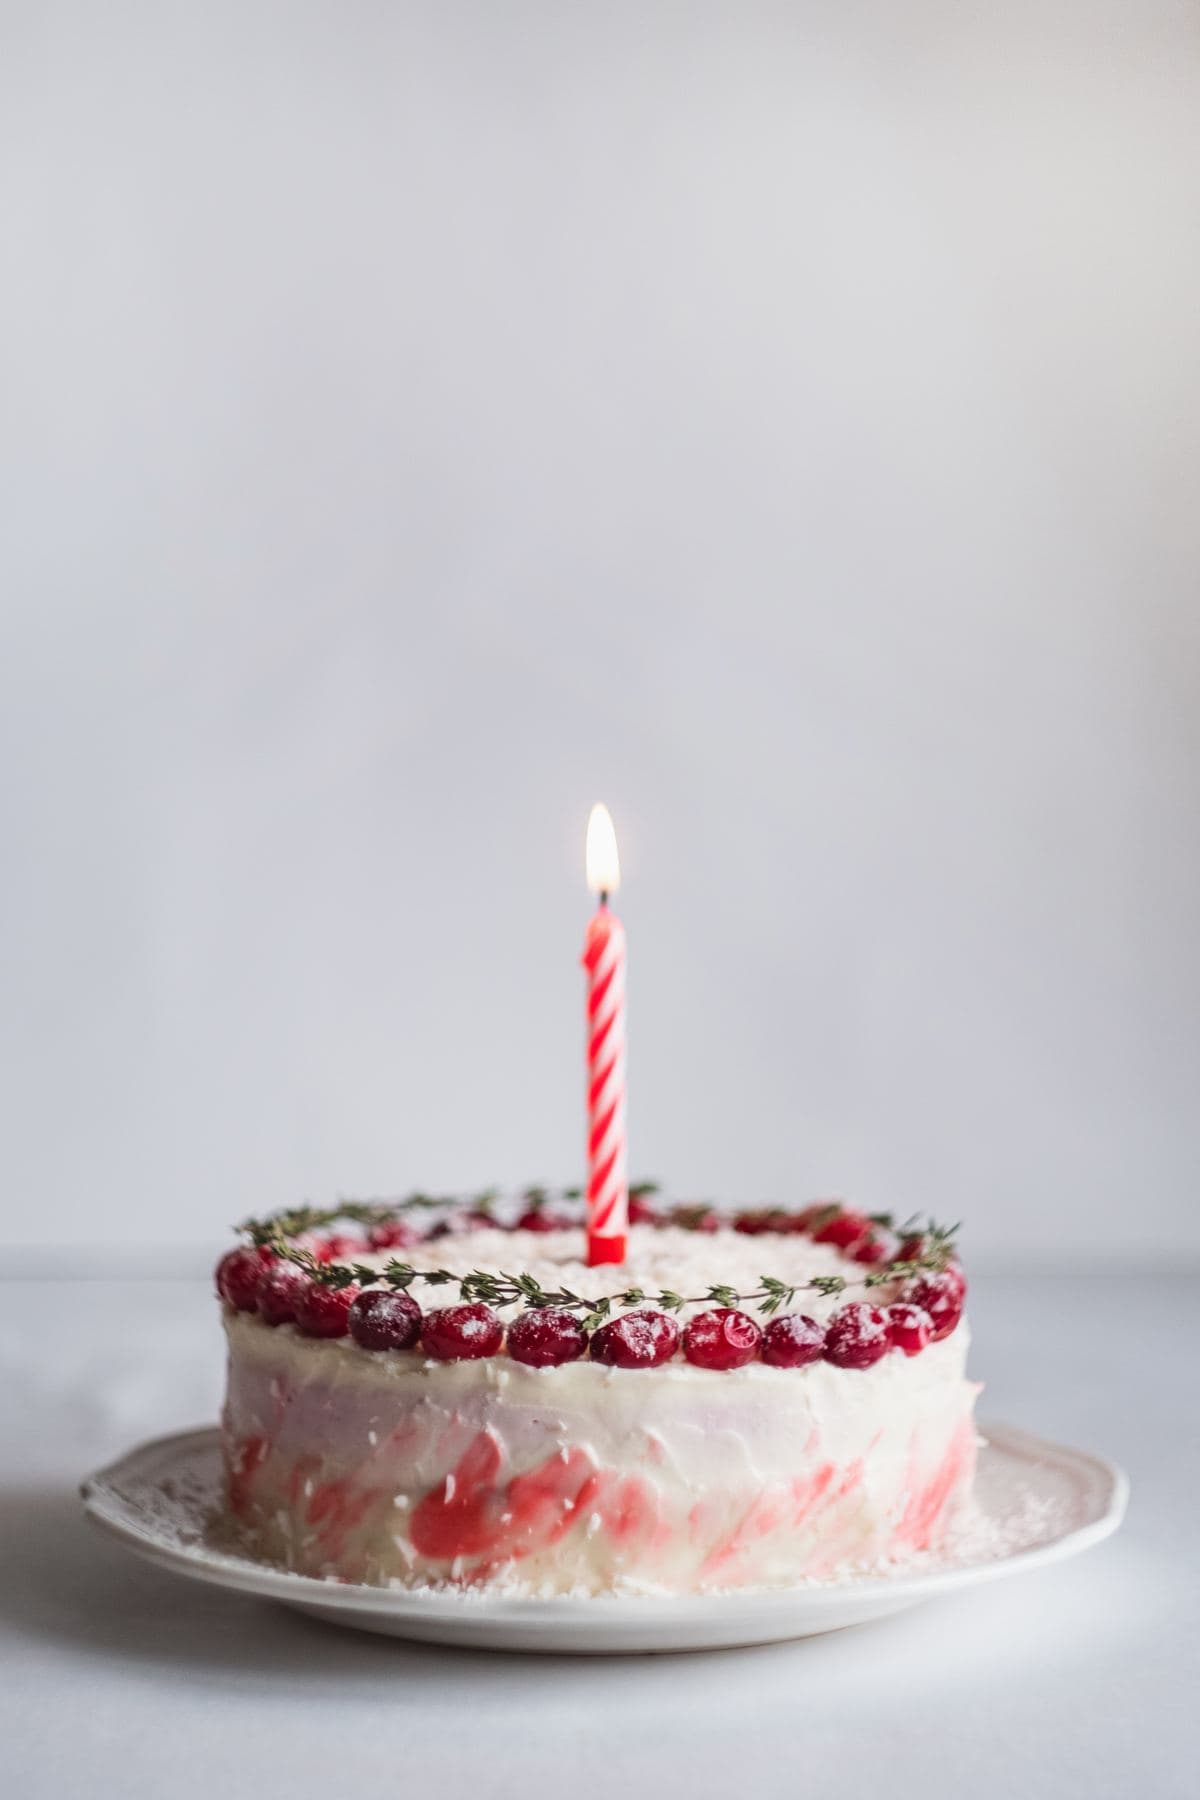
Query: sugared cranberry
x=237 y=1277
x=792 y=1340
x=637 y=1340
x=279 y=1290
x=811 y=1218
x=911 y=1327
x=540 y=1218
x=721 y=1339
x=696 y=1218
x=394 y=1234
x=324 y=1311
x=761 y=1219
x=913 y=1248
x=539 y=1214
x=953 y=1276
x=339 y=1246
x=941 y=1296
x=842 y=1230
x=545 y=1336
x=385 y=1319
x=460 y=1333
x=857 y=1336
x=873 y=1247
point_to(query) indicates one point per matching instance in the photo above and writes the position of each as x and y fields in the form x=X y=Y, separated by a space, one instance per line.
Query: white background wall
x=781 y=421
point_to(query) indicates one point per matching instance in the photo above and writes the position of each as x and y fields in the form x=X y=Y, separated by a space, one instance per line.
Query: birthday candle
x=604 y=961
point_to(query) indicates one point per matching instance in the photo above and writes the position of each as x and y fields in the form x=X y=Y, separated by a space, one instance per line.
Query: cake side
x=588 y=1479
x=397 y=1466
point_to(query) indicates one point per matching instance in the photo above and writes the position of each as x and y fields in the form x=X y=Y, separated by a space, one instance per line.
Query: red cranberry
x=459 y=1223
x=461 y=1333
x=911 y=1327
x=941 y=1296
x=545 y=1336
x=761 y=1219
x=721 y=1339
x=812 y=1218
x=842 y=1230
x=324 y=1311
x=540 y=1218
x=641 y=1212
x=393 y=1235
x=338 y=1247
x=818 y=1213
x=385 y=1319
x=913 y=1248
x=279 y=1290
x=237 y=1276
x=873 y=1248
x=696 y=1218
x=956 y=1280
x=539 y=1213
x=857 y=1336
x=791 y=1341
x=636 y=1340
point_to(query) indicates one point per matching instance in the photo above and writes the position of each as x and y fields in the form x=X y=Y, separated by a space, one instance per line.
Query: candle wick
x=604 y=896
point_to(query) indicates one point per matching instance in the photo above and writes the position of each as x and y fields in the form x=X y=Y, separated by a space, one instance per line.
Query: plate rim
x=103 y=1507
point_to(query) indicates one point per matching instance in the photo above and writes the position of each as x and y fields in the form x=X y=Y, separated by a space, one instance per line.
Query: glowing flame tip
x=603 y=864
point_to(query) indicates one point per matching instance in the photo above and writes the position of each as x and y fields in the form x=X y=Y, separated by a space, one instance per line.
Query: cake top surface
x=791 y=1285
x=658 y=1258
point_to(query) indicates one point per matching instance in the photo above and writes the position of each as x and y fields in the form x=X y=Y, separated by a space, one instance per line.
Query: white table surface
x=120 y=1679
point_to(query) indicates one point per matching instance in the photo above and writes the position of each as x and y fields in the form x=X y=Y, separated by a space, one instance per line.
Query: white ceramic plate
x=1038 y=1503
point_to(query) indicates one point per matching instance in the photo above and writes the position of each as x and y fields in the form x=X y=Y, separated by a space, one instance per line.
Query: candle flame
x=603 y=864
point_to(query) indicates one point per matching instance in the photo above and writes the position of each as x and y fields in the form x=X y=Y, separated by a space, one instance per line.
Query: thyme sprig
x=280 y=1233
x=298 y=1220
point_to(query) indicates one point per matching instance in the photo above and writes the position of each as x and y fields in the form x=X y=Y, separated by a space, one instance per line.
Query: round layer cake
x=682 y=1423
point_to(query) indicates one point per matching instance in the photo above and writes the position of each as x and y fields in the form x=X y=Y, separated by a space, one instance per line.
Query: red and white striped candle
x=604 y=961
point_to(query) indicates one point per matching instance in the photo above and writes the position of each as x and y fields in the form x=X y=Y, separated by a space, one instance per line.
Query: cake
x=446 y=1399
